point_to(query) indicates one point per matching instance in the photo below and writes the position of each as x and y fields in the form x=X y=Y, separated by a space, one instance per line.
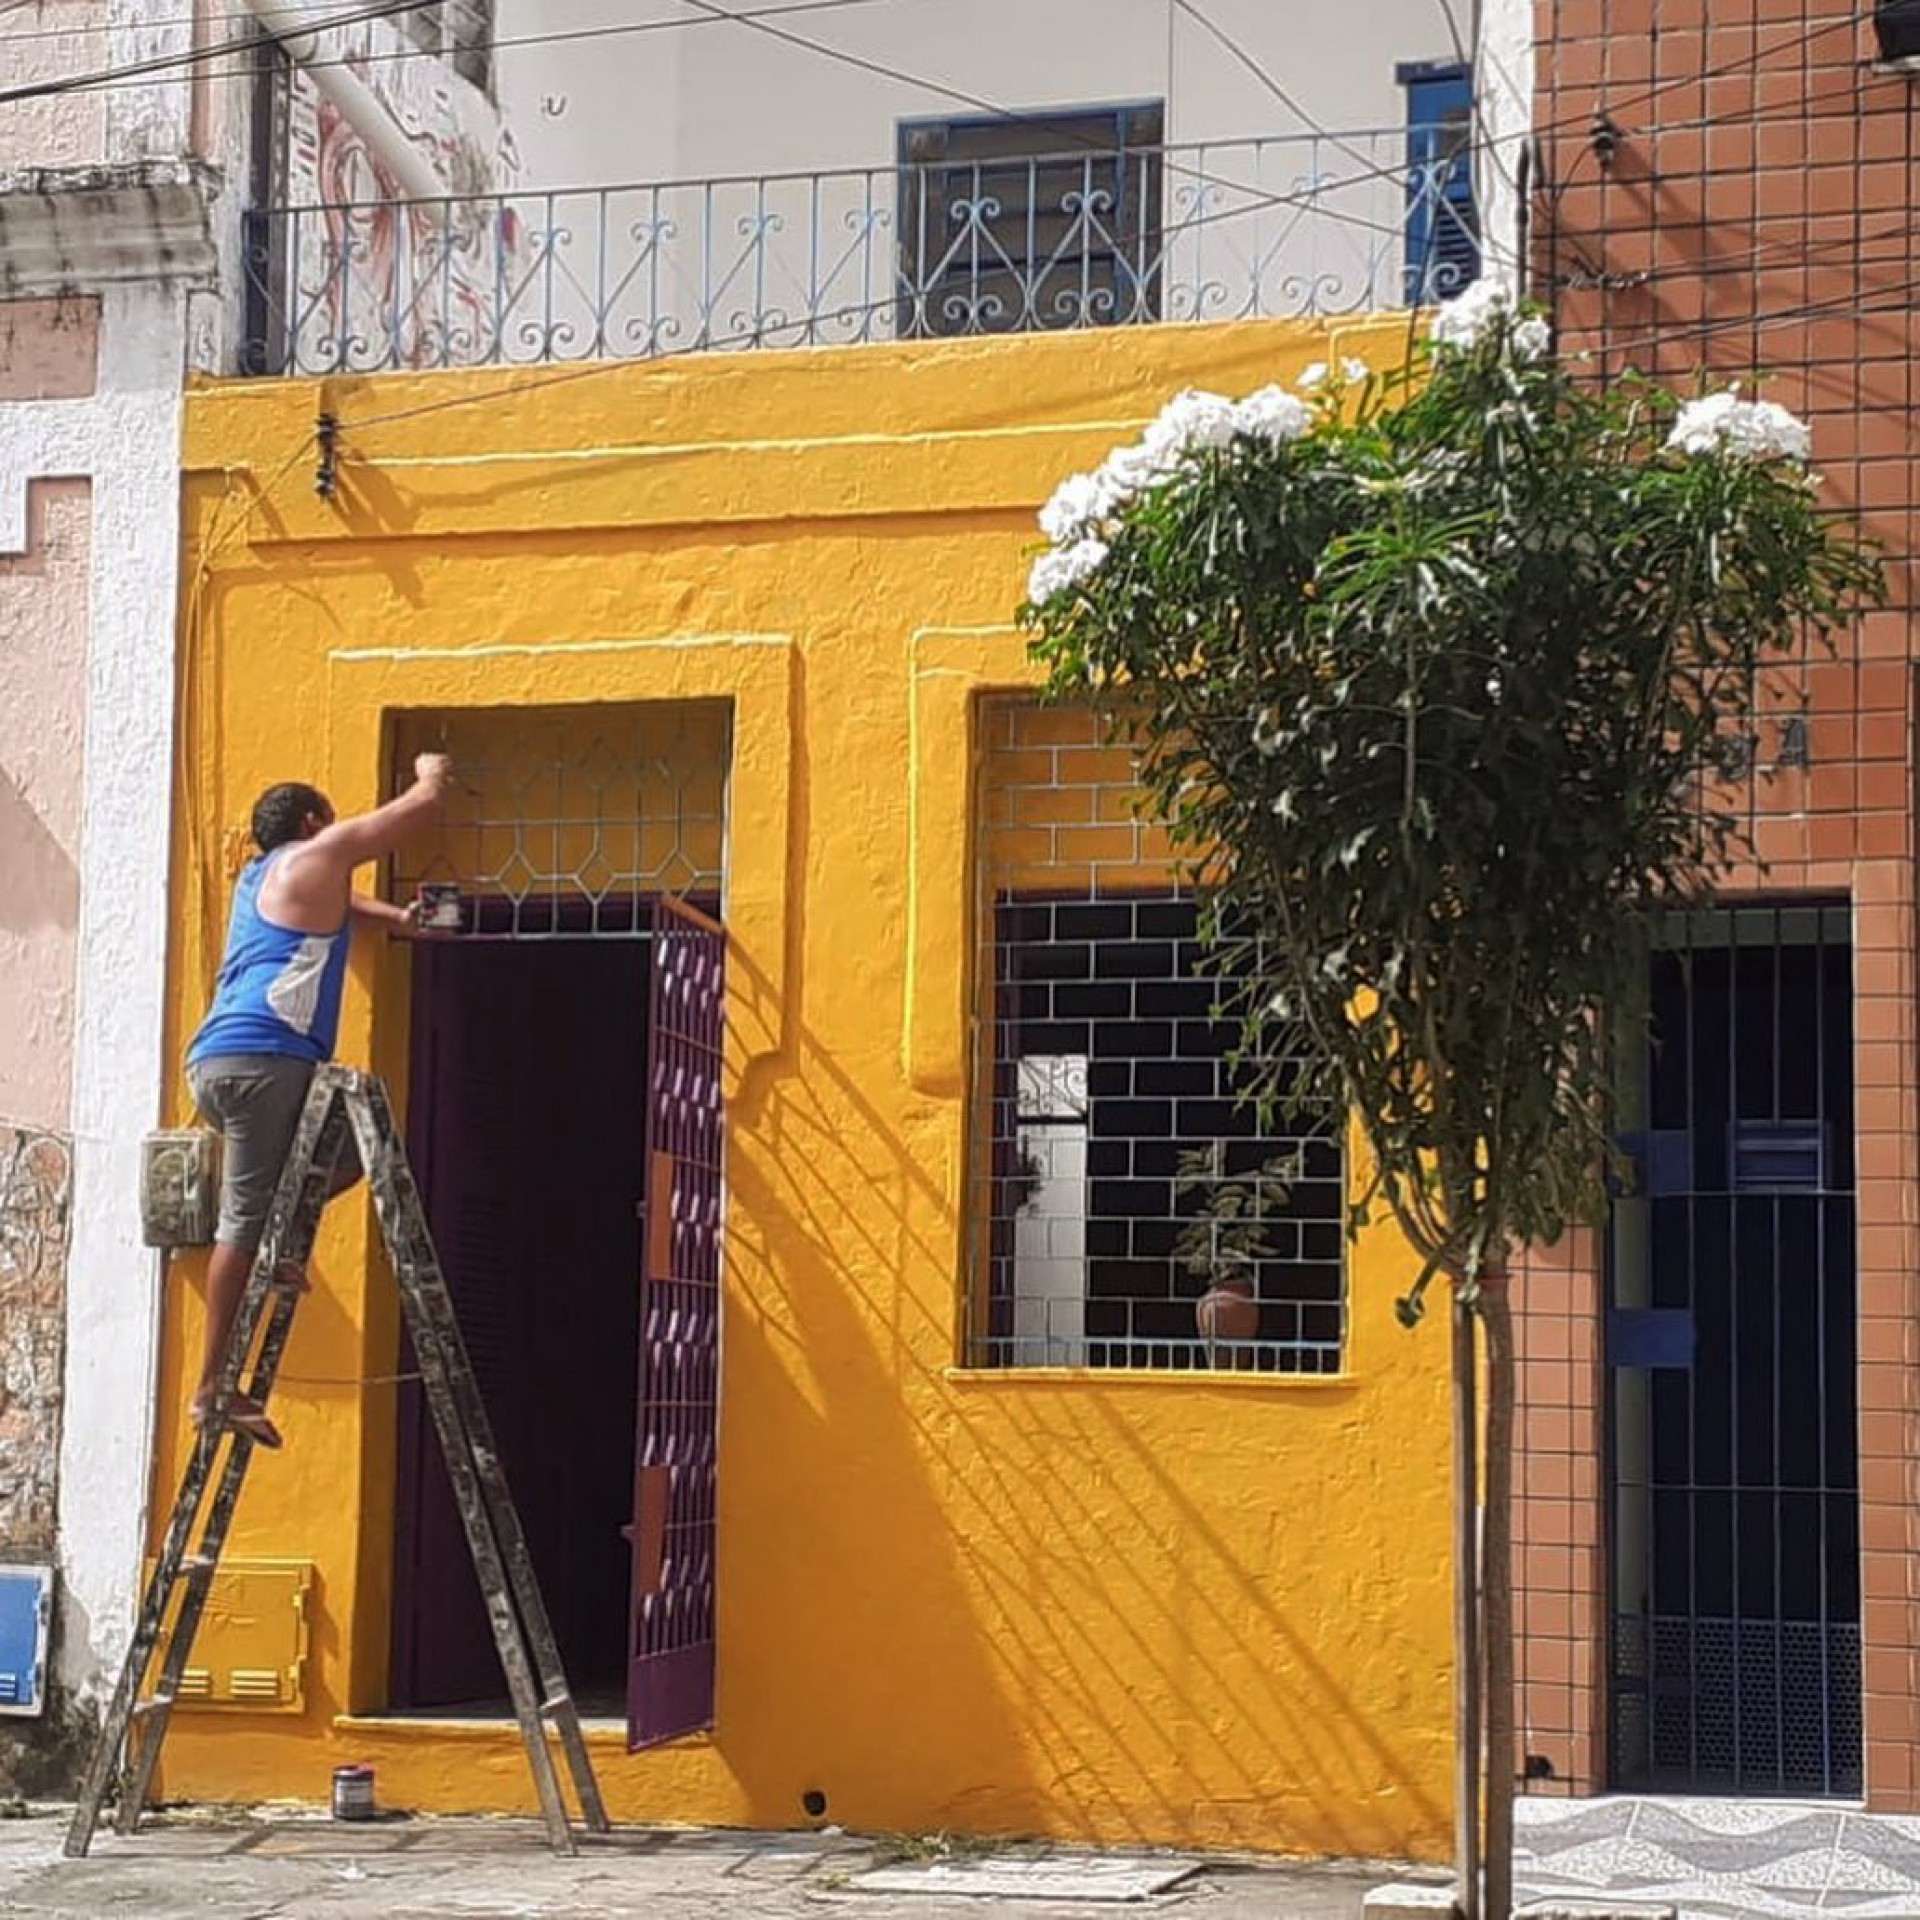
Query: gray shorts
x=255 y=1100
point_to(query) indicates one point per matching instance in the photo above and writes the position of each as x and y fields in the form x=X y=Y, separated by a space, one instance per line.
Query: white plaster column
x=1503 y=81
x=126 y=438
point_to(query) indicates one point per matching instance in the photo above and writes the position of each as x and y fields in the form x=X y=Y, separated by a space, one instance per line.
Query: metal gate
x=1730 y=1345
x=670 y=1677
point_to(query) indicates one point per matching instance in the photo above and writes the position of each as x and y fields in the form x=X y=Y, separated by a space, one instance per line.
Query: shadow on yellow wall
x=1114 y=1605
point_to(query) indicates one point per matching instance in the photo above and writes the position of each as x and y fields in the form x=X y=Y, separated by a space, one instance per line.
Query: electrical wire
x=1896 y=299
x=718 y=14
x=1252 y=198
x=747 y=337
x=1839 y=304
x=383 y=56
x=1266 y=79
x=223 y=528
x=100 y=29
x=1255 y=199
x=105 y=77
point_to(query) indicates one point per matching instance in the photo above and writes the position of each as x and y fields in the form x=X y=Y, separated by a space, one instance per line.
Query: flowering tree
x=1428 y=672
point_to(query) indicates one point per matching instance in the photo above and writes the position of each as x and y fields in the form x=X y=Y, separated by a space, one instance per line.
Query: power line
x=1895 y=299
x=244 y=51
x=248 y=50
x=713 y=13
x=383 y=55
x=99 y=29
x=1254 y=198
x=748 y=337
x=1266 y=79
x=194 y=56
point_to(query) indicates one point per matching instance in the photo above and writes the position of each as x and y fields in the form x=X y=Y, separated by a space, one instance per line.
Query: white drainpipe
x=359 y=105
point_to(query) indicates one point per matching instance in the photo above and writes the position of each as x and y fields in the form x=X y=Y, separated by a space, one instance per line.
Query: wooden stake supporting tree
x=1428 y=671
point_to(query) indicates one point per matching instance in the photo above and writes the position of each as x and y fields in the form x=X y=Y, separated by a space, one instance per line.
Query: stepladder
x=344 y=1108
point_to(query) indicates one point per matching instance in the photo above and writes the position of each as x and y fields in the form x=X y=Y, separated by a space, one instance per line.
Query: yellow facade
x=1106 y=1605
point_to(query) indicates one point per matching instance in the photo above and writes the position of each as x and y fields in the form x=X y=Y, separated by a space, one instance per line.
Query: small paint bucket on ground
x=353 y=1793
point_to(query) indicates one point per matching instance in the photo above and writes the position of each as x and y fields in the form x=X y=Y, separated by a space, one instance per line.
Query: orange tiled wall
x=1756 y=215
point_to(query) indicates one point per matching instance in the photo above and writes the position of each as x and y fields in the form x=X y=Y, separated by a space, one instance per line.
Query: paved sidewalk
x=273 y=1865
x=1711 y=1859
x=1723 y=1859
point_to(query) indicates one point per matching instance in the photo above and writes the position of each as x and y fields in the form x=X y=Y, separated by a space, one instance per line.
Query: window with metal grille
x=459 y=30
x=567 y=820
x=1129 y=1209
x=1443 y=223
x=1024 y=223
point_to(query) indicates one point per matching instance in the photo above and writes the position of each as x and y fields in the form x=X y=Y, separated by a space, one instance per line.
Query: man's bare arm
x=368 y=836
x=363 y=906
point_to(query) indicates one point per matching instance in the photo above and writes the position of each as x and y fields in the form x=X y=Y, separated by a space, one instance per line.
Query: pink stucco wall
x=49 y=349
x=44 y=616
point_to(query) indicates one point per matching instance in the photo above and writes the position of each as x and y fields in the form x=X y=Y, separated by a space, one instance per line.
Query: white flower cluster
x=1742 y=429
x=1079 y=517
x=1465 y=321
x=1062 y=567
x=1318 y=375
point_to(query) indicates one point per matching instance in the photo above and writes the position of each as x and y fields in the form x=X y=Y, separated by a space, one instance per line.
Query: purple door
x=463 y=1117
x=671 y=1669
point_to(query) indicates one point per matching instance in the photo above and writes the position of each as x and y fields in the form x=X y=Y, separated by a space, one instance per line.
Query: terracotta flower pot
x=1227 y=1311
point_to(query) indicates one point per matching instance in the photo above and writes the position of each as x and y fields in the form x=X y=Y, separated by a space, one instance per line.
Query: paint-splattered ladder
x=342 y=1101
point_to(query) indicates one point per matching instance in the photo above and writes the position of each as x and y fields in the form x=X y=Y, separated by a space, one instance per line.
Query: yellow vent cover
x=251 y=1650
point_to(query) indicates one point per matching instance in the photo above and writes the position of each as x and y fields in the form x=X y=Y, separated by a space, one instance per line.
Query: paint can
x=439 y=907
x=353 y=1793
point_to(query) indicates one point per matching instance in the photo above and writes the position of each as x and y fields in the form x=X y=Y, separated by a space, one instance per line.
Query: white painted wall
x=1286 y=193
x=704 y=97
x=1506 y=68
x=126 y=437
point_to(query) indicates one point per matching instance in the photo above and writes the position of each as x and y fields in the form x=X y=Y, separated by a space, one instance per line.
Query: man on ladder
x=259 y=1070
x=274 y=1018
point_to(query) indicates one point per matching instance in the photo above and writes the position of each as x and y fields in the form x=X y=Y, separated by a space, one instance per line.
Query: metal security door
x=1730 y=1338
x=670 y=1675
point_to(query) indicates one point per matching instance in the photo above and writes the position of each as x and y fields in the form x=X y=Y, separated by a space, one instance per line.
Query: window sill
x=1150 y=1377
x=601 y=1731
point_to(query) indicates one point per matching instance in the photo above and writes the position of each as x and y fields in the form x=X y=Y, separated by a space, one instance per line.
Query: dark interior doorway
x=527 y=1127
x=1730 y=1337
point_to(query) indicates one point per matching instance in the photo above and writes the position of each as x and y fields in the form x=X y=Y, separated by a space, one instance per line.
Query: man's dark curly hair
x=281 y=812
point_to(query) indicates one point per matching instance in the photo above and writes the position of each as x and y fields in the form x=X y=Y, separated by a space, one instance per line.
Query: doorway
x=527 y=1127
x=1736 y=1663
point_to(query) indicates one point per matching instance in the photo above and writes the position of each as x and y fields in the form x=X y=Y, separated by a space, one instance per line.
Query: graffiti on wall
x=388 y=282
x=36 y=1188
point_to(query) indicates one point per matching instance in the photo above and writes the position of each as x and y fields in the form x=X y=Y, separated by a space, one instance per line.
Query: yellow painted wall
x=1101 y=1605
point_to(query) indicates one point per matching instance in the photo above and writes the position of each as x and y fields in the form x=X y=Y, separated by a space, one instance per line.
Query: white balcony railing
x=1307 y=225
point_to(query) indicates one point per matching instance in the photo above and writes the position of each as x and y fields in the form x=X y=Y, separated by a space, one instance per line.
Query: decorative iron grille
x=1301 y=225
x=1128 y=1208
x=670 y=1679
x=1731 y=1347
x=565 y=820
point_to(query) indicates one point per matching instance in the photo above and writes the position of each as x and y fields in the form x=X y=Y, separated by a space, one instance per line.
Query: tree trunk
x=1466 y=1615
x=1496 y=1596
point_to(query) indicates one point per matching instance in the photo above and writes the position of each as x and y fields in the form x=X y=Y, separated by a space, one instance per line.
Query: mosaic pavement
x=1754 y=1859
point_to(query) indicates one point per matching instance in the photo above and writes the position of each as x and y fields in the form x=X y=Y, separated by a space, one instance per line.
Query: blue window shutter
x=26 y=1595
x=1443 y=224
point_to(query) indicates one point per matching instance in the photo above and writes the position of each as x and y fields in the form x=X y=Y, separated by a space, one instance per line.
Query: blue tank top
x=278 y=991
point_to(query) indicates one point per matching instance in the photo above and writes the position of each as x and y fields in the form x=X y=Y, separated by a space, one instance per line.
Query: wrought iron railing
x=1318 y=224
